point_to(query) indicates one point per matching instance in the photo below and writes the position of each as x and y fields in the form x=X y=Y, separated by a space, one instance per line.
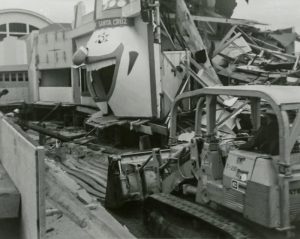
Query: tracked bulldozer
x=214 y=182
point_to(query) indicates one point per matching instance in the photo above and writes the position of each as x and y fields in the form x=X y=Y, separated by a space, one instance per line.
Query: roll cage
x=281 y=99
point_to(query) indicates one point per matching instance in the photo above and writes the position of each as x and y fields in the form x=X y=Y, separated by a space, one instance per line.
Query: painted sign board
x=116 y=8
x=112 y=4
x=114 y=22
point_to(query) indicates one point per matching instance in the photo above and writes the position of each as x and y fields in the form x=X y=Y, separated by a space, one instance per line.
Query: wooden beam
x=47 y=132
x=246 y=36
x=296 y=63
x=212 y=13
x=187 y=27
x=221 y=48
x=232 y=21
x=84 y=177
x=275 y=53
x=270 y=46
x=226 y=37
x=159 y=129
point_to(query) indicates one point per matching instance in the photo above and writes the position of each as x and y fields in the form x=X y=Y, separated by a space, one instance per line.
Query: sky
x=279 y=13
x=55 y=10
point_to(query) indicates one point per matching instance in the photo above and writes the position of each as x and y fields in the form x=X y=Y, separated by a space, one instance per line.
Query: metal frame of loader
x=270 y=199
x=281 y=99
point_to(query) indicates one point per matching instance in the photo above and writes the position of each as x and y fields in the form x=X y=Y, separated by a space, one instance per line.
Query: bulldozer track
x=227 y=226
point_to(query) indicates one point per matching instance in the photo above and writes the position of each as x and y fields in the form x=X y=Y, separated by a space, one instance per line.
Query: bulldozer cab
x=262 y=181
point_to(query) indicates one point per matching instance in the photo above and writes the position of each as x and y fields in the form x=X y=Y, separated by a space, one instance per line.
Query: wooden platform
x=9 y=196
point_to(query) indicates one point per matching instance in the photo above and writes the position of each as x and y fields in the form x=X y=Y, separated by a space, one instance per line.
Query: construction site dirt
x=79 y=157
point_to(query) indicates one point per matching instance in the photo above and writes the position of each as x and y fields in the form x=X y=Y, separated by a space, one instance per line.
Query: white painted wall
x=15 y=95
x=13 y=51
x=56 y=94
x=54 y=50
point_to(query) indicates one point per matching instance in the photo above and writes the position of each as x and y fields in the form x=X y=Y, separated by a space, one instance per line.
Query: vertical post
x=255 y=116
x=157 y=21
x=284 y=170
x=199 y=111
x=42 y=137
x=211 y=102
x=284 y=139
x=188 y=76
x=173 y=124
x=284 y=202
x=75 y=81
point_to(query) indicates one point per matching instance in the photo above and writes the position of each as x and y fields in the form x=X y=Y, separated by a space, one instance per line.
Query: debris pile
x=86 y=167
x=225 y=50
x=250 y=56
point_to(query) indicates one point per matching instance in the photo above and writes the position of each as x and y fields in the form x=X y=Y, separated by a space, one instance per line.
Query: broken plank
x=97 y=165
x=101 y=161
x=73 y=186
x=98 y=179
x=159 y=129
x=257 y=70
x=246 y=36
x=53 y=211
x=187 y=27
x=84 y=178
x=230 y=41
x=279 y=66
x=275 y=53
x=271 y=46
x=232 y=21
x=87 y=168
x=84 y=140
x=295 y=66
x=100 y=168
x=45 y=131
x=88 y=188
x=226 y=37
x=245 y=78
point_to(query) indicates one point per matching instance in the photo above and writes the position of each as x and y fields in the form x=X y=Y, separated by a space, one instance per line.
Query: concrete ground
x=61 y=227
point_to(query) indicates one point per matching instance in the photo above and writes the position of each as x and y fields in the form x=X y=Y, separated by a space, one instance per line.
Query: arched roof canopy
x=19 y=22
x=20 y=16
x=23 y=12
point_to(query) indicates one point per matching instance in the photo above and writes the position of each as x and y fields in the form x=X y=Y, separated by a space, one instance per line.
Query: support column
x=255 y=116
x=211 y=102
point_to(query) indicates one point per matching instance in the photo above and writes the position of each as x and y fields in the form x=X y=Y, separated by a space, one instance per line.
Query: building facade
x=53 y=64
x=15 y=51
